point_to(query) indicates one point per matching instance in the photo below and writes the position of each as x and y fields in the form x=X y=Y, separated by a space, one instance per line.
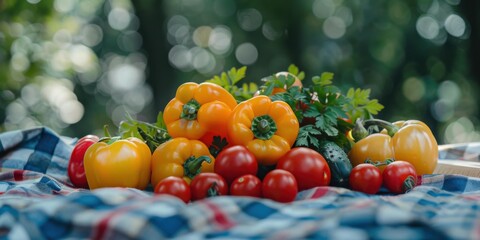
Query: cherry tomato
x=246 y=185
x=174 y=186
x=280 y=185
x=366 y=178
x=76 y=169
x=399 y=177
x=308 y=166
x=208 y=184
x=234 y=162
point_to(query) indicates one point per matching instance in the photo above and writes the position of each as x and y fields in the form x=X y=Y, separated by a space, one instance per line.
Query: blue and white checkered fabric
x=38 y=202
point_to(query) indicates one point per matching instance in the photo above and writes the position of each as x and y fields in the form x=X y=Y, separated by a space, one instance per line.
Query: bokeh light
x=246 y=53
x=76 y=65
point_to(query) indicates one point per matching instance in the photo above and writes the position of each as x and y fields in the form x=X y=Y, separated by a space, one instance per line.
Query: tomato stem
x=409 y=184
x=213 y=190
x=193 y=165
x=190 y=110
x=264 y=127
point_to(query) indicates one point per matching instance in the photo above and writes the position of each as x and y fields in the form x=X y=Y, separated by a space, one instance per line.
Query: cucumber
x=337 y=159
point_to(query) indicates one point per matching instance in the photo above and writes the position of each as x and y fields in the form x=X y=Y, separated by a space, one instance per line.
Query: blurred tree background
x=76 y=65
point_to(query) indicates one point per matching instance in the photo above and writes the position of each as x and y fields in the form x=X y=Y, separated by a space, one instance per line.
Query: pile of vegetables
x=222 y=138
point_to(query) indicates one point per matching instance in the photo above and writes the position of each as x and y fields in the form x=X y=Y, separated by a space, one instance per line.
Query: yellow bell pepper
x=180 y=157
x=268 y=129
x=410 y=141
x=118 y=163
x=198 y=109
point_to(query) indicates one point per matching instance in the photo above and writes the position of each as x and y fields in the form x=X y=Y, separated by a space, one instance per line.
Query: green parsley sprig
x=323 y=111
x=229 y=81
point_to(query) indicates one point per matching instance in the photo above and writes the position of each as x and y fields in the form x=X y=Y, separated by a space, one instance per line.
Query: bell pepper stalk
x=76 y=169
x=266 y=128
x=198 y=110
x=180 y=157
x=410 y=141
x=116 y=162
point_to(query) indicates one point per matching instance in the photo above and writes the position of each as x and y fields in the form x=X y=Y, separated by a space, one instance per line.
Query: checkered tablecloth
x=38 y=202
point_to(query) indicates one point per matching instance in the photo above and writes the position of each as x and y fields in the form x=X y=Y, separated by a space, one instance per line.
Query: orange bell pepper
x=198 y=109
x=410 y=141
x=118 y=163
x=268 y=129
x=180 y=157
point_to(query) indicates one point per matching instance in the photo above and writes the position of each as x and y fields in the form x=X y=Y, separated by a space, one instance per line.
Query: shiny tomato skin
x=366 y=178
x=174 y=186
x=76 y=168
x=203 y=182
x=307 y=165
x=235 y=161
x=399 y=177
x=246 y=185
x=280 y=185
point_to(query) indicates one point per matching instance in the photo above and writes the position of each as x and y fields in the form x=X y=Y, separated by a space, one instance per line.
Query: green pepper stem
x=106 y=132
x=359 y=132
x=263 y=127
x=190 y=110
x=378 y=163
x=193 y=166
x=109 y=140
x=391 y=129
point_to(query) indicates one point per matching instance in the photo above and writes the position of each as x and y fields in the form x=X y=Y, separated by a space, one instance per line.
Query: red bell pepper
x=76 y=169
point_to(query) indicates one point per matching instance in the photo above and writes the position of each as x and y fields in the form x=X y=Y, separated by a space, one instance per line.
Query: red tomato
x=308 y=166
x=246 y=185
x=174 y=186
x=208 y=184
x=366 y=178
x=234 y=162
x=399 y=176
x=76 y=170
x=280 y=185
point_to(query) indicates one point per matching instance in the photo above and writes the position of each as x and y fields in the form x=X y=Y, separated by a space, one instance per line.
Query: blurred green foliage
x=76 y=65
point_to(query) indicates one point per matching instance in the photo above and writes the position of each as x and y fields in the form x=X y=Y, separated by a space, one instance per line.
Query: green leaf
x=235 y=75
x=359 y=104
x=307 y=137
x=374 y=107
x=324 y=79
x=160 y=123
x=312 y=111
x=293 y=69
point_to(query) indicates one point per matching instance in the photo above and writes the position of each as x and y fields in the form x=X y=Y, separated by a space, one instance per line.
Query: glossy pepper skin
x=180 y=157
x=268 y=129
x=76 y=169
x=198 y=109
x=410 y=141
x=120 y=163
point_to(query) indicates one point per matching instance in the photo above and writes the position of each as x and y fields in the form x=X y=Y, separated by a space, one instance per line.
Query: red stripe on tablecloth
x=220 y=217
x=102 y=226
x=319 y=192
x=18 y=175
